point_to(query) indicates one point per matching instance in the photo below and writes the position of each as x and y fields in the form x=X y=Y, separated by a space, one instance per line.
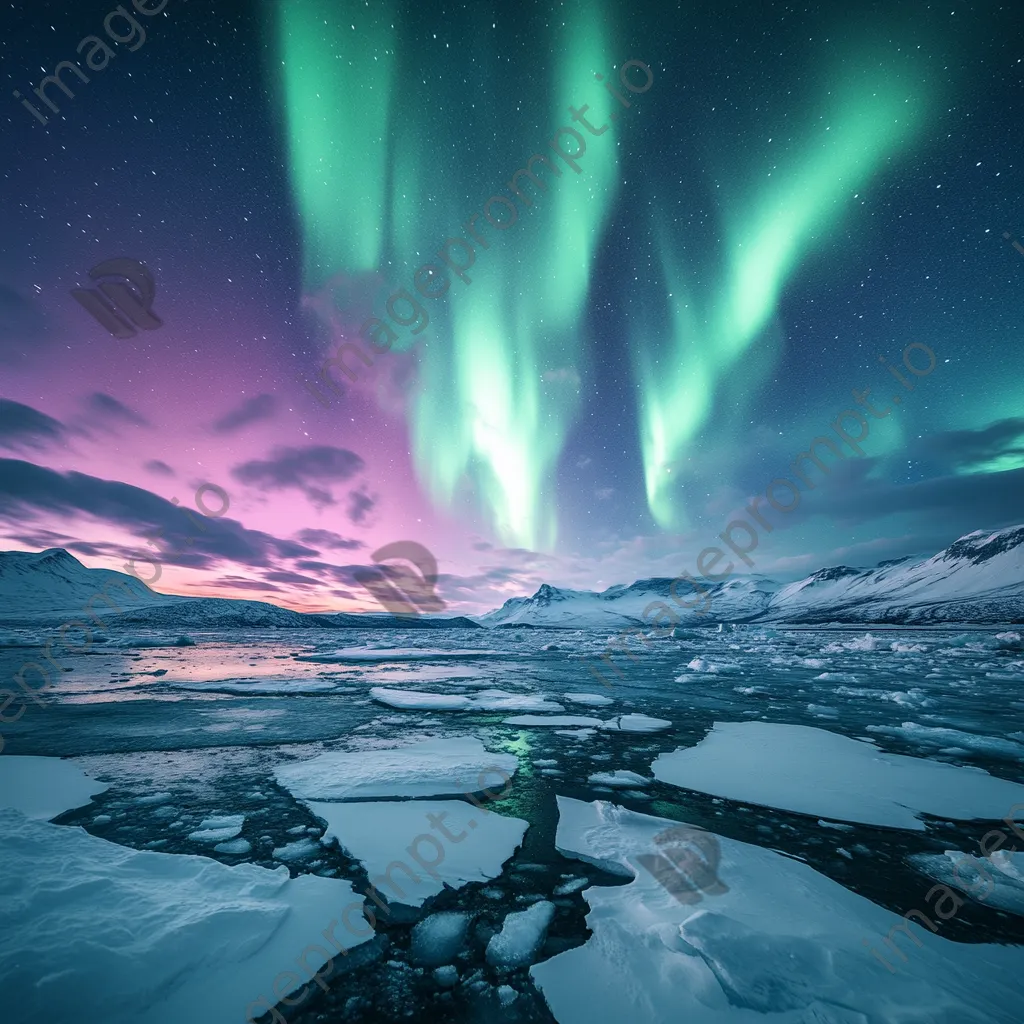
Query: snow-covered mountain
x=618 y=606
x=53 y=583
x=53 y=586
x=977 y=579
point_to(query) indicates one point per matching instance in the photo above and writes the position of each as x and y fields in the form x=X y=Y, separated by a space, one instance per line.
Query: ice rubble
x=485 y=700
x=391 y=835
x=521 y=935
x=438 y=767
x=92 y=930
x=934 y=736
x=784 y=944
x=995 y=881
x=820 y=773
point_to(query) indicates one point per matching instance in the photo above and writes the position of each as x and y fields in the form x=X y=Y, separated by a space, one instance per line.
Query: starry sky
x=756 y=204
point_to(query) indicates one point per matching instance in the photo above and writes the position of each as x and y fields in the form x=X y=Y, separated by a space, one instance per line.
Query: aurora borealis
x=622 y=349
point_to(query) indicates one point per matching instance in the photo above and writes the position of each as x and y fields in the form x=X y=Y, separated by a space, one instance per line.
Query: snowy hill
x=53 y=586
x=979 y=578
x=53 y=583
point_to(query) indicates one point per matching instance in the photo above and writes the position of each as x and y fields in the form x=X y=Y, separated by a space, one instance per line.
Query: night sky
x=638 y=349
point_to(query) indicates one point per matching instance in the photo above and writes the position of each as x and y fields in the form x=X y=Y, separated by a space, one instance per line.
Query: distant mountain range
x=978 y=579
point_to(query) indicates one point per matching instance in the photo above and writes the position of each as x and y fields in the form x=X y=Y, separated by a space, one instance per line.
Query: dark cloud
x=23 y=426
x=360 y=505
x=112 y=409
x=967 y=449
x=231 y=583
x=328 y=539
x=293 y=578
x=158 y=467
x=26 y=488
x=305 y=469
x=950 y=505
x=252 y=410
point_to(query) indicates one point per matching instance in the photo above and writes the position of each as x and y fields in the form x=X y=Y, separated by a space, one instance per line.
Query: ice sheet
x=44 y=787
x=93 y=931
x=783 y=944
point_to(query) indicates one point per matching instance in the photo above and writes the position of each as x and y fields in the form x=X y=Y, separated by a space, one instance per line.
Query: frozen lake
x=189 y=739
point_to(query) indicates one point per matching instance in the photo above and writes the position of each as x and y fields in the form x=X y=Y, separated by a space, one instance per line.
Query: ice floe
x=218 y=829
x=485 y=700
x=436 y=767
x=439 y=938
x=412 y=849
x=521 y=935
x=820 y=773
x=781 y=943
x=555 y=721
x=636 y=723
x=620 y=779
x=595 y=700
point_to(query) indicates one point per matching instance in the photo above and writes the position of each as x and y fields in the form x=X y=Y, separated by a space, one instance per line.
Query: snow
x=996 y=881
x=44 y=787
x=592 y=699
x=437 y=767
x=152 y=938
x=485 y=700
x=218 y=829
x=439 y=938
x=637 y=723
x=782 y=943
x=555 y=721
x=391 y=835
x=521 y=936
x=620 y=779
x=811 y=771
